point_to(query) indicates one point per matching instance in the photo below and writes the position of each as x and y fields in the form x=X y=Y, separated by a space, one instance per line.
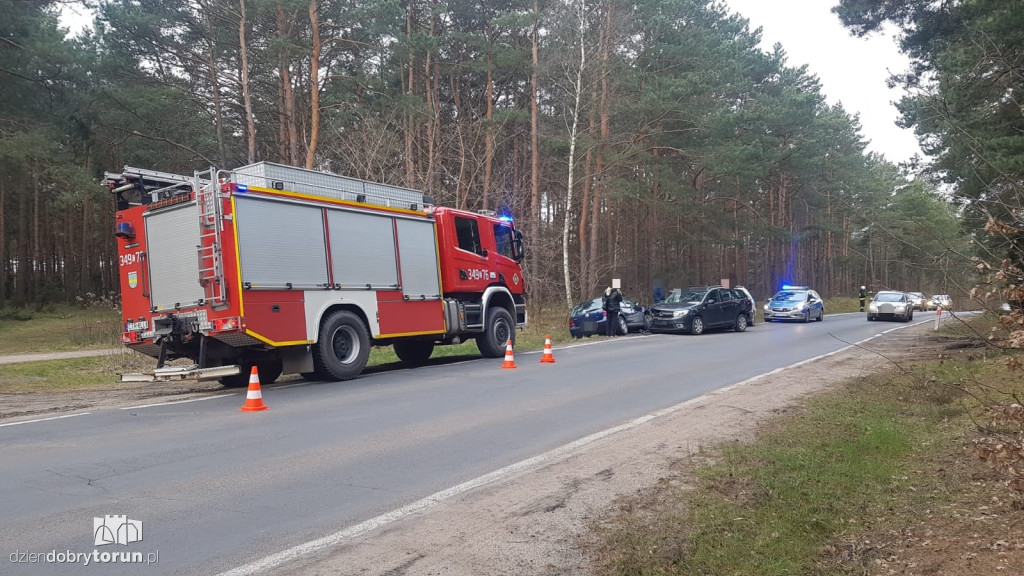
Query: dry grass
x=865 y=480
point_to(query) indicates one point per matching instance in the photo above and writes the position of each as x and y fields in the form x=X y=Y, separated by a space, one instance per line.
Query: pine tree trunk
x=218 y=107
x=3 y=245
x=462 y=193
x=586 y=283
x=489 y=139
x=535 y=146
x=314 y=87
x=250 y=121
x=86 y=265
x=410 y=128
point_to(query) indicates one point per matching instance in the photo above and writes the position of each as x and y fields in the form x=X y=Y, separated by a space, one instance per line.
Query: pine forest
x=647 y=141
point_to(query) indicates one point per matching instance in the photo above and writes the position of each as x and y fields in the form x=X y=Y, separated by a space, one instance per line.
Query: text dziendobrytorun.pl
x=84 y=558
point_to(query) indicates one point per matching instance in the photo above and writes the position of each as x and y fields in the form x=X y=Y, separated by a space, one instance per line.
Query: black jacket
x=613 y=301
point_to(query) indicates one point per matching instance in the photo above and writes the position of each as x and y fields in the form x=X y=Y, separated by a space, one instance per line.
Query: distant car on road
x=587 y=318
x=795 y=303
x=891 y=305
x=918 y=299
x=697 y=309
x=943 y=301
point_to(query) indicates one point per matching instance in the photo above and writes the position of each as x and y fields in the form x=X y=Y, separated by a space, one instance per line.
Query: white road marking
x=45 y=419
x=179 y=401
x=274 y=560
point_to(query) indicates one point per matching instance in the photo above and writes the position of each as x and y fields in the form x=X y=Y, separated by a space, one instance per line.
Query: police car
x=795 y=303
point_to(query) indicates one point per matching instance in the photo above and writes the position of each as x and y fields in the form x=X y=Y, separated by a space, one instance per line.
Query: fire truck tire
x=269 y=372
x=498 y=330
x=237 y=380
x=413 y=351
x=343 y=347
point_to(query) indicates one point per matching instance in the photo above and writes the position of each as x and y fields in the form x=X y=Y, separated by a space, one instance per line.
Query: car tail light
x=572 y=323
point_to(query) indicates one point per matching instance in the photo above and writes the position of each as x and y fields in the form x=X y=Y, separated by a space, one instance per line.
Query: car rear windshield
x=586 y=307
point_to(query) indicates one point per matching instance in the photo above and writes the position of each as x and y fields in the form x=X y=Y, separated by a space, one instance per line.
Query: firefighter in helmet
x=863 y=297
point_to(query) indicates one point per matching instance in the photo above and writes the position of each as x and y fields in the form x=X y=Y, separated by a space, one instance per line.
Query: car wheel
x=807 y=316
x=697 y=326
x=741 y=323
x=821 y=315
x=623 y=327
x=910 y=316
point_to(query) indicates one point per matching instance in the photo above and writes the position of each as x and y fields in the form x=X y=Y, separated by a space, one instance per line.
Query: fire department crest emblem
x=515 y=279
x=133 y=279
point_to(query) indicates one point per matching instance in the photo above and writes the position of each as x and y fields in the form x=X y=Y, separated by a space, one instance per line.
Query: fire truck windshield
x=503 y=240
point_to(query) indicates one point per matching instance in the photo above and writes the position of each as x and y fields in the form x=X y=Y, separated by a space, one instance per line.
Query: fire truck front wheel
x=342 y=348
x=499 y=329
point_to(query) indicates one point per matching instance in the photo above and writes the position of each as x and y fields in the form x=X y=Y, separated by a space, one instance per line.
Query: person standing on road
x=611 y=304
x=863 y=297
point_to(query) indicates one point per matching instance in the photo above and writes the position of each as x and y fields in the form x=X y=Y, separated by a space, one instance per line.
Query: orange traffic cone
x=509 y=361
x=547 y=357
x=254 y=398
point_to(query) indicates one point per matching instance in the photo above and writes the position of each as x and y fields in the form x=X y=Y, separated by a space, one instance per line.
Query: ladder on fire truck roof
x=158 y=185
x=210 y=249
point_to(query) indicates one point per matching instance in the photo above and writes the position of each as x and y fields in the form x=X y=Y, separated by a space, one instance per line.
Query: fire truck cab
x=298 y=271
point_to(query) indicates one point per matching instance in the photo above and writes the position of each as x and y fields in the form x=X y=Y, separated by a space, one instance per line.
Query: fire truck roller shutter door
x=363 y=249
x=417 y=253
x=281 y=244
x=172 y=235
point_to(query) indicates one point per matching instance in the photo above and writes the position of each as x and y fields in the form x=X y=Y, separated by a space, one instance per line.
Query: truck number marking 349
x=131 y=258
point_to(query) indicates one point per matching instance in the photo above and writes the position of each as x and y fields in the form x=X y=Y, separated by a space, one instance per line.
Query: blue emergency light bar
x=241 y=188
x=788 y=287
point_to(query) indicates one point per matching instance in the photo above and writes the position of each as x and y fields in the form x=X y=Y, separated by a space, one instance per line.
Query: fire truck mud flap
x=169 y=373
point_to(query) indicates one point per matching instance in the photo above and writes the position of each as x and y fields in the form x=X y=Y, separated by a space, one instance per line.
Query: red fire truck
x=299 y=271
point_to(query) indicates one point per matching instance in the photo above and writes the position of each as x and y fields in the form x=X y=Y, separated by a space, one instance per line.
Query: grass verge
x=70 y=374
x=65 y=328
x=835 y=488
x=95 y=329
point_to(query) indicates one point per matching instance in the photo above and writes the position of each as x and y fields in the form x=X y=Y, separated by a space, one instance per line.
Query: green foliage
x=692 y=123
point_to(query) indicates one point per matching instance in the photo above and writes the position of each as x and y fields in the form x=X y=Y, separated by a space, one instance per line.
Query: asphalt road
x=216 y=488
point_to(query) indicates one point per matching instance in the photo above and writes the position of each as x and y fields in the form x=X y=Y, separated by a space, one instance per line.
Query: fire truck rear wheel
x=343 y=347
x=498 y=330
x=237 y=380
x=269 y=372
x=413 y=351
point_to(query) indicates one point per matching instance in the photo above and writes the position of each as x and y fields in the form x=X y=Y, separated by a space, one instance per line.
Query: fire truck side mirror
x=520 y=252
